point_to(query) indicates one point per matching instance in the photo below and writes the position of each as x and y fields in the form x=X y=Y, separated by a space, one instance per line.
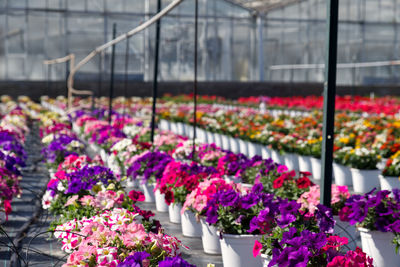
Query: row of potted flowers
x=97 y=219
x=387 y=105
x=178 y=183
x=355 y=171
x=13 y=131
x=362 y=145
x=365 y=148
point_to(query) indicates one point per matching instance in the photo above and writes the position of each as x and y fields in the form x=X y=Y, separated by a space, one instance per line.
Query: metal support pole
x=329 y=101
x=196 y=23
x=260 y=26
x=66 y=77
x=155 y=81
x=112 y=75
x=126 y=76
x=100 y=80
x=48 y=79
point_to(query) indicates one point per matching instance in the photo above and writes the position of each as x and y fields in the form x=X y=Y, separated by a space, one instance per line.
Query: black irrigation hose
x=16 y=258
x=22 y=233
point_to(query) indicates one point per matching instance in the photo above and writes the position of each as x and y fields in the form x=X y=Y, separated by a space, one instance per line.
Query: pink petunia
x=257 y=248
x=71 y=200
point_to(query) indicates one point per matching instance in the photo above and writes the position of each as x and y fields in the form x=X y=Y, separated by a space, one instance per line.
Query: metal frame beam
x=329 y=102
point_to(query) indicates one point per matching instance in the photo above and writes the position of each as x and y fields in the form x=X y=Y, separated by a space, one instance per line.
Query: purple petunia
x=87 y=177
x=375 y=210
x=324 y=215
x=148 y=165
x=174 y=262
x=228 y=198
x=285 y=220
x=249 y=200
x=134 y=260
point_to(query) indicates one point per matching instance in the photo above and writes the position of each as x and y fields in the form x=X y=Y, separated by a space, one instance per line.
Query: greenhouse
x=234 y=133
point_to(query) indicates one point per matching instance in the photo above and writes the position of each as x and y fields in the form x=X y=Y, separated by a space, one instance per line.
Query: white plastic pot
x=234 y=145
x=75 y=128
x=243 y=147
x=217 y=139
x=190 y=226
x=265 y=152
x=342 y=174
x=389 y=182
x=103 y=155
x=205 y=137
x=277 y=157
x=189 y=130
x=245 y=185
x=229 y=179
x=210 y=238
x=378 y=245
x=305 y=163
x=148 y=191
x=164 y=125
x=253 y=149
x=130 y=183
x=181 y=128
x=174 y=127
x=265 y=259
x=225 y=142
x=161 y=205
x=210 y=137
x=201 y=135
x=237 y=251
x=345 y=229
x=174 y=211
x=291 y=161
x=365 y=180
x=316 y=168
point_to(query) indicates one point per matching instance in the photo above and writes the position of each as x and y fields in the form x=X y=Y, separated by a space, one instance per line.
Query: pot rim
x=359 y=170
x=388 y=177
x=237 y=236
x=265 y=256
x=175 y=204
x=377 y=232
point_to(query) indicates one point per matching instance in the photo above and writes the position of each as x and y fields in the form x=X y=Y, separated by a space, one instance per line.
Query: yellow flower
x=312 y=141
x=344 y=140
x=368 y=124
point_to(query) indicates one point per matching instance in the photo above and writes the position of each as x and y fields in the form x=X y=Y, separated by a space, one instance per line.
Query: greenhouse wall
x=235 y=44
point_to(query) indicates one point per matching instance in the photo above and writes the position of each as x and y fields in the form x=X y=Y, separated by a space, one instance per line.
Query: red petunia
x=169 y=197
x=303 y=182
x=278 y=182
x=136 y=196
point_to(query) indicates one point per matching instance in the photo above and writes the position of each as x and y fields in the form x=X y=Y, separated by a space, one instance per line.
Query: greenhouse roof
x=264 y=6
